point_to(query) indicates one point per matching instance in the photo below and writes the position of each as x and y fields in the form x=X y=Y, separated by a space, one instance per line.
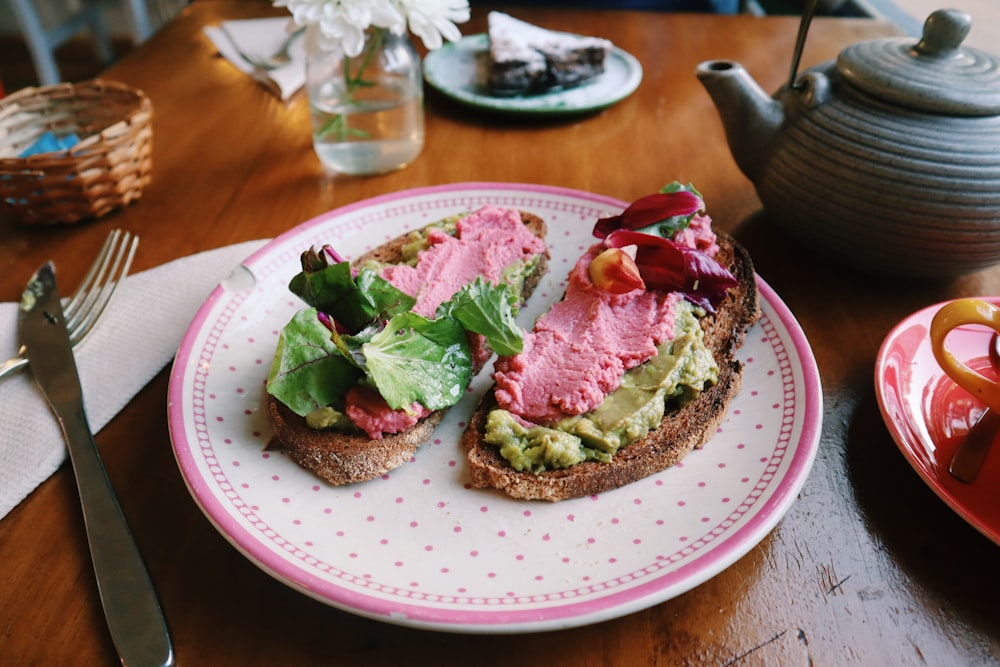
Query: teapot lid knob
x=944 y=31
x=937 y=74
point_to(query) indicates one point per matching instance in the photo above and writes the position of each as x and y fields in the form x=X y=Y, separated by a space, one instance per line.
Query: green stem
x=373 y=45
x=337 y=127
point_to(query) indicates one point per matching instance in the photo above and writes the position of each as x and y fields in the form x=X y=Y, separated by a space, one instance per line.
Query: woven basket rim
x=135 y=102
x=109 y=166
x=30 y=92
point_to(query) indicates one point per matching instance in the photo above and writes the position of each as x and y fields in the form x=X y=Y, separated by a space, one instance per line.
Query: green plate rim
x=543 y=104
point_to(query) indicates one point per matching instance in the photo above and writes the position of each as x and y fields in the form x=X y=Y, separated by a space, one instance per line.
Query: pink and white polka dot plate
x=419 y=547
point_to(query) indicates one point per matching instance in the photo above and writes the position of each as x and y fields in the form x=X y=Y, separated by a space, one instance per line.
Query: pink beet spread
x=580 y=349
x=369 y=412
x=699 y=235
x=487 y=241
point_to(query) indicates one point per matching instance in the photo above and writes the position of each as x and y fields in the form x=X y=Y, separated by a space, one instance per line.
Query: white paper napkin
x=262 y=37
x=135 y=339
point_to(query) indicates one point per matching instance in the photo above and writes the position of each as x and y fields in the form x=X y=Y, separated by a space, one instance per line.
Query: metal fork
x=94 y=294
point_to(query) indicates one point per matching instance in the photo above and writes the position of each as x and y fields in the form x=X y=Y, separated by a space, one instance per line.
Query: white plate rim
x=805 y=411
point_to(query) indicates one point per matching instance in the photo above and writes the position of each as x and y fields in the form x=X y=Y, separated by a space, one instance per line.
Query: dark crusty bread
x=345 y=458
x=680 y=430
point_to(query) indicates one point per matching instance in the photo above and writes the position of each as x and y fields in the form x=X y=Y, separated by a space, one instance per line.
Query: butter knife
x=131 y=607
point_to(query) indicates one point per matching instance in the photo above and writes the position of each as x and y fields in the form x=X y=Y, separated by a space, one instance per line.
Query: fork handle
x=131 y=607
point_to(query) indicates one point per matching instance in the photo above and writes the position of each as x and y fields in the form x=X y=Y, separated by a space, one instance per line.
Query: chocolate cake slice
x=526 y=59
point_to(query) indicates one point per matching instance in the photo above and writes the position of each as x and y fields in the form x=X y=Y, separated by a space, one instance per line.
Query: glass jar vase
x=367 y=111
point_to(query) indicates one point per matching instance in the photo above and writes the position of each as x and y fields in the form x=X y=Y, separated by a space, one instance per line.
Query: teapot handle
x=814 y=87
x=800 y=40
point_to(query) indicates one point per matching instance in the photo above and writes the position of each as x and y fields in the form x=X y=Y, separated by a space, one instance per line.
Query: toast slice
x=341 y=457
x=680 y=430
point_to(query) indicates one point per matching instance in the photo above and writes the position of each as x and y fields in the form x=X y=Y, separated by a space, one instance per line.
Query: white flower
x=433 y=19
x=342 y=23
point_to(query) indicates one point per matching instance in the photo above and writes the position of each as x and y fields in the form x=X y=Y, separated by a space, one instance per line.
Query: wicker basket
x=108 y=168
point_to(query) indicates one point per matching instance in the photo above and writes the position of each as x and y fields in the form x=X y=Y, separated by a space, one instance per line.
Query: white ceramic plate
x=458 y=71
x=419 y=547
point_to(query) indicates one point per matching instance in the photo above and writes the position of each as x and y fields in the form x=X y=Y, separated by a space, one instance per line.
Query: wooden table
x=868 y=567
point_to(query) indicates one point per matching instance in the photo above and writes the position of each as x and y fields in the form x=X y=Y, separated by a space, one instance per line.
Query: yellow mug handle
x=956 y=314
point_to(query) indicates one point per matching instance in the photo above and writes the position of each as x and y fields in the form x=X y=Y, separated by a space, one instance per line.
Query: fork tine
x=89 y=301
x=91 y=287
x=99 y=266
x=117 y=269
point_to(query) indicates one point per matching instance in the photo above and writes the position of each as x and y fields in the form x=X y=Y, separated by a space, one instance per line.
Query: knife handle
x=131 y=607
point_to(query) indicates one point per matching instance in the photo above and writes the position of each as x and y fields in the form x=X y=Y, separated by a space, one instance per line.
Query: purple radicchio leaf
x=650 y=210
x=672 y=267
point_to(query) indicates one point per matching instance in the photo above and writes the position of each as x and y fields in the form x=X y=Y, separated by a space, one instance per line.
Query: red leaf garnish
x=671 y=267
x=649 y=210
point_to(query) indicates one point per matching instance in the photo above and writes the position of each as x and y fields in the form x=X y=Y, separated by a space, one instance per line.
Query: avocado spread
x=326 y=417
x=679 y=371
x=417 y=240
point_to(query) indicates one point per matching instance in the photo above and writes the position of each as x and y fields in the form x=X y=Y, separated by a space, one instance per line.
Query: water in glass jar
x=369 y=136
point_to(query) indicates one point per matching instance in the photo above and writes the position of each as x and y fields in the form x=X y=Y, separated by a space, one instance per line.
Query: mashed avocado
x=680 y=370
x=417 y=240
x=327 y=417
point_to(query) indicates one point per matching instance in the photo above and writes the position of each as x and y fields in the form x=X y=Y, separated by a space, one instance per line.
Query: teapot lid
x=936 y=74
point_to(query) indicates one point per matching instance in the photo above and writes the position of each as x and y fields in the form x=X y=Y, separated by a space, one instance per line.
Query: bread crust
x=680 y=431
x=346 y=458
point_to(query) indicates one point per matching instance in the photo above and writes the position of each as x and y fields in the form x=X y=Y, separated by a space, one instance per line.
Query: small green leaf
x=324 y=287
x=308 y=370
x=489 y=310
x=352 y=301
x=414 y=359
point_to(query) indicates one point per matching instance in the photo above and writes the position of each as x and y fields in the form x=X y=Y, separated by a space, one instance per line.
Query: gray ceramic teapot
x=887 y=159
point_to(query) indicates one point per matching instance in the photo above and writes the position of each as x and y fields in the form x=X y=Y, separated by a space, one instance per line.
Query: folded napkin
x=135 y=339
x=262 y=37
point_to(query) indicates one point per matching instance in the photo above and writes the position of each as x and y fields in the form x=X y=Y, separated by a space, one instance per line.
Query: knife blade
x=131 y=607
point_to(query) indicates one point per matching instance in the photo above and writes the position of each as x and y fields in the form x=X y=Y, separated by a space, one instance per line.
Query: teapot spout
x=750 y=117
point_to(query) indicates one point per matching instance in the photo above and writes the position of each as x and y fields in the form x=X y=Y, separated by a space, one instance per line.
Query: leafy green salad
x=360 y=330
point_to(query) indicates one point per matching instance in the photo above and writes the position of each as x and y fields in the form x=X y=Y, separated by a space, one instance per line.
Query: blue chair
x=86 y=16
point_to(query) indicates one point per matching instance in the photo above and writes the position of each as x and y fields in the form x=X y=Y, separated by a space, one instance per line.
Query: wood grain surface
x=867 y=568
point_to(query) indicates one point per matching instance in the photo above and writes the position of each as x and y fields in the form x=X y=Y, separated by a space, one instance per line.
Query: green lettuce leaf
x=489 y=310
x=309 y=371
x=378 y=341
x=381 y=298
x=415 y=359
x=353 y=301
